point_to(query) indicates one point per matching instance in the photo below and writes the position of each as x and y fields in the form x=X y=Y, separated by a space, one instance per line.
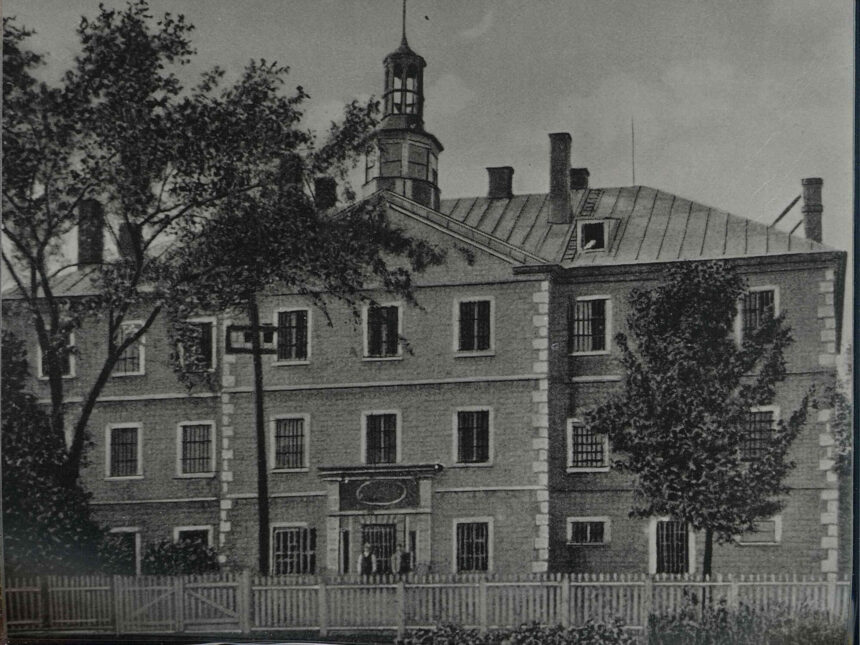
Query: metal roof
x=645 y=225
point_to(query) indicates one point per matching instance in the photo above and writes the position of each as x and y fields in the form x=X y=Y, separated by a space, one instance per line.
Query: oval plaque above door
x=381 y=492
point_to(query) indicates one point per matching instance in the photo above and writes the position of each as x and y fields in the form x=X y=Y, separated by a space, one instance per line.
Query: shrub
x=527 y=634
x=719 y=625
x=177 y=558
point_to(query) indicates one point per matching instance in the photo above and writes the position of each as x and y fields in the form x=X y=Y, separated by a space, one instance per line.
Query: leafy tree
x=120 y=128
x=47 y=527
x=681 y=421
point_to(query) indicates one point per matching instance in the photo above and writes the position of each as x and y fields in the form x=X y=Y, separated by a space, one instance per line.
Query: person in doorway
x=400 y=560
x=367 y=560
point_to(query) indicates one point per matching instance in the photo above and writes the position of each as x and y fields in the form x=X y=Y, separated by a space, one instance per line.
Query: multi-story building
x=455 y=428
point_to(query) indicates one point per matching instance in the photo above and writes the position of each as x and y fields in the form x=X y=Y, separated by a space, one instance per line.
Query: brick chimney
x=501 y=182
x=91 y=244
x=579 y=178
x=325 y=192
x=559 y=178
x=812 y=207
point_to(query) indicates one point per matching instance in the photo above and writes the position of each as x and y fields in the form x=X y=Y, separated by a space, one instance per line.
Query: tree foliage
x=47 y=527
x=167 y=558
x=681 y=420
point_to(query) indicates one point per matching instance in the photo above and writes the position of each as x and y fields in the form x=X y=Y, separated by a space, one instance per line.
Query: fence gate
x=156 y=604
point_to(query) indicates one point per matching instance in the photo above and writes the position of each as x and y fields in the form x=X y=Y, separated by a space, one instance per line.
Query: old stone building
x=455 y=429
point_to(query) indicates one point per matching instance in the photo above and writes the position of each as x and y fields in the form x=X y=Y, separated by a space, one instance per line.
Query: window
x=474 y=325
x=290 y=443
x=68 y=359
x=592 y=236
x=380 y=432
x=759 y=431
x=419 y=161
x=588 y=325
x=292 y=335
x=294 y=550
x=383 y=540
x=125 y=544
x=758 y=306
x=383 y=331
x=473 y=436
x=587 y=530
x=131 y=361
x=123 y=451
x=196 y=448
x=201 y=535
x=390 y=159
x=586 y=450
x=472 y=545
x=767 y=531
x=672 y=547
x=204 y=343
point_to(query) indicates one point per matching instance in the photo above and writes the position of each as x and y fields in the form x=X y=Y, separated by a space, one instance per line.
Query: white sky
x=734 y=101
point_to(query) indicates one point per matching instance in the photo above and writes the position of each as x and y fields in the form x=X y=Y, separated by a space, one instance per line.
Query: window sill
x=758 y=543
x=290 y=470
x=65 y=377
x=602 y=352
x=207 y=475
x=482 y=464
x=290 y=363
x=124 y=374
x=381 y=359
x=124 y=478
x=602 y=469
x=475 y=354
x=590 y=544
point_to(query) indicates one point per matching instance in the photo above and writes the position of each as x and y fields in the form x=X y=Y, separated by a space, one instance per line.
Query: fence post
x=116 y=595
x=647 y=601
x=44 y=602
x=564 y=596
x=482 y=605
x=179 y=593
x=401 y=608
x=322 y=607
x=243 y=601
x=733 y=592
x=831 y=594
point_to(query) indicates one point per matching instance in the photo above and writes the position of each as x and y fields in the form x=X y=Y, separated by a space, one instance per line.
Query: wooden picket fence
x=246 y=603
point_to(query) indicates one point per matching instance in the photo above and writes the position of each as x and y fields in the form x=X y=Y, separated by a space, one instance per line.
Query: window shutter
x=482 y=439
x=391 y=338
x=483 y=320
x=374 y=332
x=301 y=334
x=467 y=322
x=462 y=437
x=598 y=329
x=312 y=551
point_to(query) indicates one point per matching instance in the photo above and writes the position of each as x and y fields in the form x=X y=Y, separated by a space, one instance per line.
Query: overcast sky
x=734 y=101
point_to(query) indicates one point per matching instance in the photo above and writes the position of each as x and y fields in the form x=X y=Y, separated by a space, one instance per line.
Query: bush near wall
x=719 y=625
x=529 y=634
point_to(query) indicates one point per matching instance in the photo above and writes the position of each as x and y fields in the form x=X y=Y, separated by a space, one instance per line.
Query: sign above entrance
x=378 y=494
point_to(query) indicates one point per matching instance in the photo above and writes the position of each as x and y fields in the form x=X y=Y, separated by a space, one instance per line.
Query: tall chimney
x=91 y=242
x=325 y=192
x=812 y=207
x=501 y=182
x=559 y=178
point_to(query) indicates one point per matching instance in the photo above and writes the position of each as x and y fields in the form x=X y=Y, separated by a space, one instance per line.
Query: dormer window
x=592 y=236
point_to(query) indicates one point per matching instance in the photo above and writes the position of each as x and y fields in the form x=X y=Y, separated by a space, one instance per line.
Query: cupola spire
x=405 y=158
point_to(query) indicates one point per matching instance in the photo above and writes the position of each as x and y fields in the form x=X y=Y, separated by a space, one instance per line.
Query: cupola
x=405 y=157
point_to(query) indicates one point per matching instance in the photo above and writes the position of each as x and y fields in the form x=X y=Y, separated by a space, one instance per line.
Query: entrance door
x=383 y=539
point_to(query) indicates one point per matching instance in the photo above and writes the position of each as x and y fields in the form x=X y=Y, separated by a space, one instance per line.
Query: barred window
x=473 y=436
x=586 y=449
x=383 y=337
x=381 y=438
x=758 y=307
x=587 y=326
x=383 y=540
x=290 y=443
x=292 y=335
x=66 y=359
x=672 y=547
x=473 y=546
x=124 y=457
x=196 y=454
x=758 y=435
x=294 y=550
x=131 y=360
x=474 y=325
x=587 y=532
